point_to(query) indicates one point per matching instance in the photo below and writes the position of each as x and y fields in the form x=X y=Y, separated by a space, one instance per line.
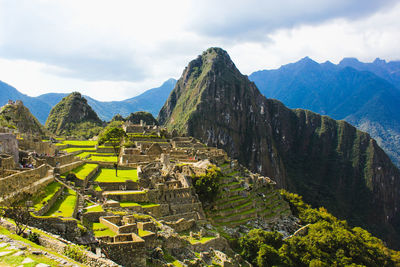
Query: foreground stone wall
x=37 y=146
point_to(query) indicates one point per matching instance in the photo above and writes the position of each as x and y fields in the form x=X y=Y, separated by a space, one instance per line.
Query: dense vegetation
x=207 y=185
x=323 y=241
x=146 y=117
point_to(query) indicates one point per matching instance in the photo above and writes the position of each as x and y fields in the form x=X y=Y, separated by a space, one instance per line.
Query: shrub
x=75 y=252
x=207 y=185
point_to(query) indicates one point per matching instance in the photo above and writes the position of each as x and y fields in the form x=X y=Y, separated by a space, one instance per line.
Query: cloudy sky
x=113 y=50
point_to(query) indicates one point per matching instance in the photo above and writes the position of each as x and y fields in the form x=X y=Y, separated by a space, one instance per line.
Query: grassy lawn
x=100 y=229
x=142 y=204
x=142 y=233
x=103 y=158
x=202 y=240
x=94 y=208
x=74 y=149
x=45 y=195
x=64 y=206
x=84 y=154
x=80 y=143
x=97 y=188
x=82 y=171
x=108 y=175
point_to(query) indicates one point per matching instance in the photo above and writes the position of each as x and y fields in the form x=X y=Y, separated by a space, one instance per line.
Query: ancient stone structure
x=9 y=145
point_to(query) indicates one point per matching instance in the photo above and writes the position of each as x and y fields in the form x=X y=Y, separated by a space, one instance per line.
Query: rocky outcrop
x=69 y=112
x=329 y=162
x=15 y=115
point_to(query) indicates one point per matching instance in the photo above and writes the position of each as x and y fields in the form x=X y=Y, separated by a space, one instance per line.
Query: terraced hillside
x=236 y=204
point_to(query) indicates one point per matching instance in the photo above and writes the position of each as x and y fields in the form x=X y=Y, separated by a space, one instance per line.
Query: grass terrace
x=100 y=229
x=142 y=204
x=83 y=171
x=64 y=206
x=103 y=158
x=80 y=143
x=94 y=208
x=45 y=195
x=108 y=176
x=74 y=149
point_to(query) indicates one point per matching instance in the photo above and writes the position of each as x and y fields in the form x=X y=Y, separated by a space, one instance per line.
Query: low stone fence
x=46 y=207
x=128 y=196
x=181 y=225
x=94 y=216
x=39 y=147
x=112 y=186
x=15 y=182
x=69 y=167
x=67 y=228
x=128 y=253
x=62 y=160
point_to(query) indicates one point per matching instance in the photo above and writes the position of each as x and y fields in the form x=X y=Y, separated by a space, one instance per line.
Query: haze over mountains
x=367 y=95
x=151 y=101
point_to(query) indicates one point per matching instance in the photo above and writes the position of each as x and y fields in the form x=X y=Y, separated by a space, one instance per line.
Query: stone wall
x=69 y=167
x=9 y=145
x=181 y=225
x=37 y=146
x=15 y=182
x=62 y=160
x=111 y=186
x=7 y=162
x=126 y=253
x=67 y=228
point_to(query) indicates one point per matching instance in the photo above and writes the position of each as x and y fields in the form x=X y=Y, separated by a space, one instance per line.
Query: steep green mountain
x=362 y=98
x=73 y=116
x=330 y=163
x=17 y=116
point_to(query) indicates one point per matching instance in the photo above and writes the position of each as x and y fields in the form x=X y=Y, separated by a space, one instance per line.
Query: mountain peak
x=379 y=61
x=70 y=111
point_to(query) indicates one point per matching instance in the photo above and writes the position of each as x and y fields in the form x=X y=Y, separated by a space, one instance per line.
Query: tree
x=19 y=214
x=113 y=136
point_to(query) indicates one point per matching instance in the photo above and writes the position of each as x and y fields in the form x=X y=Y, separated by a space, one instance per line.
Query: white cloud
x=116 y=49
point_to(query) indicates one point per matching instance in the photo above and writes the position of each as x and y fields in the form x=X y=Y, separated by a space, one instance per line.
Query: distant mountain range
x=151 y=101
x=365 y=94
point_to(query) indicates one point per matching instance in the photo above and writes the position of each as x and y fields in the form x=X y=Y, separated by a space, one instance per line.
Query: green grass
x=97 y=188
x=64 y=206
x=74 y=149
x=48 y=192
x=104 y=159
x=142 y=204
x=202 y=240
x=94 y=208
x=142 y=233
x=80 y=143
x=83 y=155
x=83 y=171
x=100 y=229
x=108 y=175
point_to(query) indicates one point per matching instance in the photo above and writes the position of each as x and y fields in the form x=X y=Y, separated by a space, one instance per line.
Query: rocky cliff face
x=69 y=112
x=329 y=162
